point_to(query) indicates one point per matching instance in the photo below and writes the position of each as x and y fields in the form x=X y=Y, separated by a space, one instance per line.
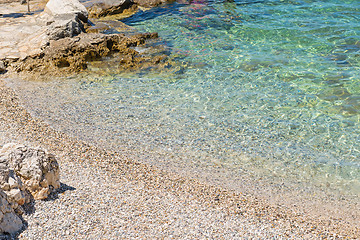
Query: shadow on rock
x=9 y=237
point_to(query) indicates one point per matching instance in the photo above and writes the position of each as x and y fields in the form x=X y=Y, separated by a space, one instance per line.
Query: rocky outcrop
x=110 y=7
x=60 y=44
x=37 y=170
x=72 y=54
x=10 y=222
x=29 y=35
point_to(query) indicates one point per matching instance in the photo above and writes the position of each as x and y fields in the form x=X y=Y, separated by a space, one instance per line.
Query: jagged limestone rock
x=9 y=221
x=12 y=186
x=38 y=170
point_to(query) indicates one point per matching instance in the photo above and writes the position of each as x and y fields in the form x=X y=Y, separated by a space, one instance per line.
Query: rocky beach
x=103 y=194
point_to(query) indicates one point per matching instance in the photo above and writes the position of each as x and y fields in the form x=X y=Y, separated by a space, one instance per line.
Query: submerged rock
x=109 y=7
x=38 y=170
x=102 y=8
x=151 y=3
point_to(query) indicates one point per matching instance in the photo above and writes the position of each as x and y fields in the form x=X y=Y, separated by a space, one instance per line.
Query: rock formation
x=64 y=18
x=24 y=173
x=109 y=7
x=61 y=45
x=72 y=54
x=38 y=170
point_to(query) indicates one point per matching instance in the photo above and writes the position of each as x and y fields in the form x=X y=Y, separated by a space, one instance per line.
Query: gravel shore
x=106 y=196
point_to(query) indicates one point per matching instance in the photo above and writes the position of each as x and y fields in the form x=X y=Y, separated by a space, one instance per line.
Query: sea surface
x=267 y=89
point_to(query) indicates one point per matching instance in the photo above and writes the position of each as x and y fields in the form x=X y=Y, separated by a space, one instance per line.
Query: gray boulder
x=64 y=26
x=38 y=170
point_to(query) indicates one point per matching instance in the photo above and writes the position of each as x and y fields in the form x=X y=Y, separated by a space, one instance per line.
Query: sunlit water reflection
x=271 y=89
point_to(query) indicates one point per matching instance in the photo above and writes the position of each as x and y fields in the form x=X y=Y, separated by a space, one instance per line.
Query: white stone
x=60 y=7
x=38 y=170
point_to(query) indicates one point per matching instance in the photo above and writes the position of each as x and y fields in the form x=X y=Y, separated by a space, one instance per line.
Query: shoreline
x=256 y=217
x=104 y=194
x=318 y=203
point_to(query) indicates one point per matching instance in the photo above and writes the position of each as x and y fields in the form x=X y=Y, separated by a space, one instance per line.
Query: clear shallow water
x=271 y=88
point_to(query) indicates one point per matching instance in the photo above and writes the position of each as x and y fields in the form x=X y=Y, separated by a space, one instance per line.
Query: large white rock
x=63 y=18
x=38 y=170
x=60 y=7
x=9 y=221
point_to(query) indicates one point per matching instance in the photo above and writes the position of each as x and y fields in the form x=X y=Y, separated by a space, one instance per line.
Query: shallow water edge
x=318 y=201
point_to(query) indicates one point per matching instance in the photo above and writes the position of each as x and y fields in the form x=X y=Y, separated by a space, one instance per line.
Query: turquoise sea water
x=270 y=88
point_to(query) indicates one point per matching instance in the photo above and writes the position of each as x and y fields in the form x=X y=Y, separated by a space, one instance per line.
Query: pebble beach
x=106 y=195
